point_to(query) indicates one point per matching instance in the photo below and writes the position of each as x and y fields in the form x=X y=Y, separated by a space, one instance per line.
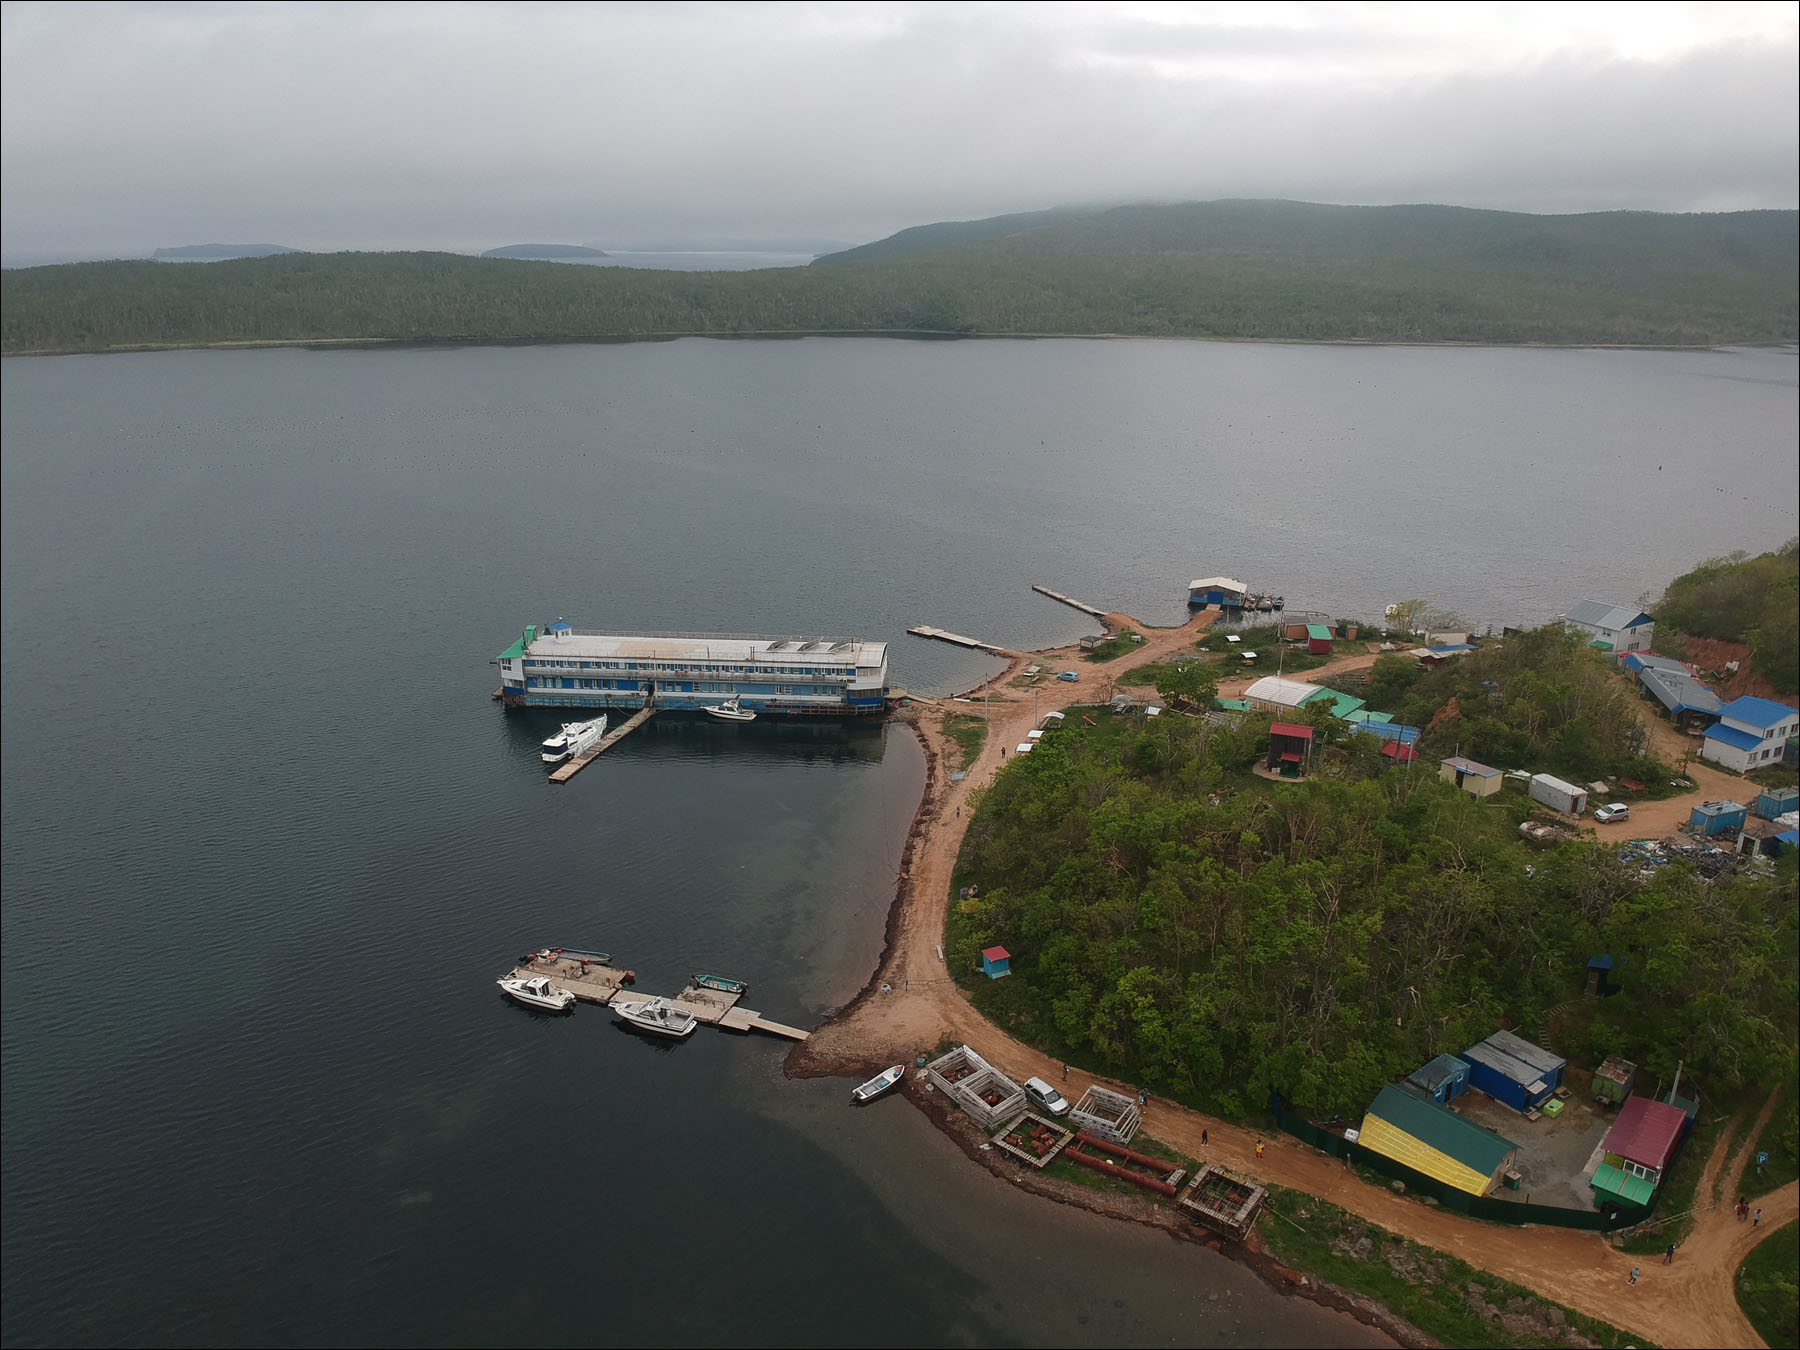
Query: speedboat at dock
x=539 y=993
x=573 y=739
x=730 y=711
x=885 y=1081
x=657 y=1017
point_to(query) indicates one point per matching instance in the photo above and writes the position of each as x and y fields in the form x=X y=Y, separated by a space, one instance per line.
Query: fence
x=1475 y=1206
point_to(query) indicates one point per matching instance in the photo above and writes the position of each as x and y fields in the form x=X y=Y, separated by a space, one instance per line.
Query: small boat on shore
x=885 y=1081
x=721 y=984
x=729 y=711
x=573 y=739
x=539 y=993
x=657 y=1017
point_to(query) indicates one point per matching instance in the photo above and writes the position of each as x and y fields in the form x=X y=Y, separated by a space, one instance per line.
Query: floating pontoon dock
x=592 y=978
x=925 y=630
x=563 y=773
x=1070 y=600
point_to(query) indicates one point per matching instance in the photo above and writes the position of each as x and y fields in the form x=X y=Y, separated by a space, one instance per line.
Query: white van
x=1046 y=1096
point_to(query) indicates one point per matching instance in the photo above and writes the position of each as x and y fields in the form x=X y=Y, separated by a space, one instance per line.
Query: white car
x=1605 y=815
x=1046 y=1096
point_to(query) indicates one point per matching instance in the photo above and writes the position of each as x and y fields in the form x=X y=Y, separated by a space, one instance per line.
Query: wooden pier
x=564 y=772
x=1071 y=601
x=944 y=635
x=592 y=980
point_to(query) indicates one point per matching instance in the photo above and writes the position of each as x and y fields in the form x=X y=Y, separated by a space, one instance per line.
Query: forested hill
x=1270 y=270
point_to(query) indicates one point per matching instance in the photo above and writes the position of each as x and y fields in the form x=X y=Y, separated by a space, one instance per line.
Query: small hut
x=1318 y=639
x=1289 y=743
x=1614 y=1079
x=1111 y=1115
x=996 y=962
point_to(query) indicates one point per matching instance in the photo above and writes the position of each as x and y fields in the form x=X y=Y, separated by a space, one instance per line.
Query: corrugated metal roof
x=1645 y=1132
x=1216 y=584
x=1342 y=705
x=1758 y=712
x=1432 y=1140
x=1632 y=1190
x=1275 y=689
x=1743 y=740
x=1678 y=691
x=1544 y=1061
x=1436 y=1072
x=1318 y=630
x=1599 y=614
x=1469 y=766
x=1290 y=729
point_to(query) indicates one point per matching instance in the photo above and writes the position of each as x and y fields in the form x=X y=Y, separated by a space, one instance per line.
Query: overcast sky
x=329 y=126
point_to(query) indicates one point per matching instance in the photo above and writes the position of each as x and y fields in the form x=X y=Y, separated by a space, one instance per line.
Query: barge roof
x=815 y=651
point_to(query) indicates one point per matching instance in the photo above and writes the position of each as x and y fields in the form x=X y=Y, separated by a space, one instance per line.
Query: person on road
x=1633 y=1279
x=1669 y=1256
x=1202 y=1138
x=1756 y=1218
x=1259 y=1148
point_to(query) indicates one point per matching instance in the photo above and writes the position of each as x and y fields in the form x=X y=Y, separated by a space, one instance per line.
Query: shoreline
x=914 y=334
x=911 y=1005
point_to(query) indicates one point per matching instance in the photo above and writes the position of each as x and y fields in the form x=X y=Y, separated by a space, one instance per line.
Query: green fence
x=1475 y=1206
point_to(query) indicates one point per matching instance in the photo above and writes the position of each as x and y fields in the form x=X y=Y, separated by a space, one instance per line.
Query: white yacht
x=573 y=739
x=538 y=992
x=657 y=1017
x=730 y=711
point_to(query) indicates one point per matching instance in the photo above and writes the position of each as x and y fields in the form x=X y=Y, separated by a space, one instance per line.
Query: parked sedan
x=1605 y=815
x=1070 y=676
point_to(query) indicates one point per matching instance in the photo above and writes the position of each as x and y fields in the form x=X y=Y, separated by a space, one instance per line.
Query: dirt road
x=1687 y=1303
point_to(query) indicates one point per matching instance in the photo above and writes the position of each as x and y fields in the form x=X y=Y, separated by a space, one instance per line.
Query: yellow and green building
x=1417 y=1132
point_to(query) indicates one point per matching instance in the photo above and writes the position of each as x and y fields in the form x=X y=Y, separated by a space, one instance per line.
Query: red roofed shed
x=1400 y=752
x=995 y=962
x=1645 y=1133
x=1289 y=743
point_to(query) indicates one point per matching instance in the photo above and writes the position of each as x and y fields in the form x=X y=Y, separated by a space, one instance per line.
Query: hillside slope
x=1253 y=270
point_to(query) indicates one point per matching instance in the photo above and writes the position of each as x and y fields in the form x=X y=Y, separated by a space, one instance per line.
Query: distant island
x=219 y=252
x=544 y=252
x=1242 y=270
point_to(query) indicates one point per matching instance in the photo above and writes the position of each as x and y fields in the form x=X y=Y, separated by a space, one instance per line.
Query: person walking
x=1259 y=1148
x=1065 y=1073
x=1669 y=1256
x=1633 y=1279
x=1743 y=1209
x=1756 y=1218
x=1202 y=1138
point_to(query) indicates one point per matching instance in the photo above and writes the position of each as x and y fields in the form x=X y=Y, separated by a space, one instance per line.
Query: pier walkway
x=1070 y=600
x=564 y=772
x=925 y=630
x=593 y=980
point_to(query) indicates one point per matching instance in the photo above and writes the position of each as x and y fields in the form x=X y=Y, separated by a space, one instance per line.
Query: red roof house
x=1289 y=743
x=1645 y=1133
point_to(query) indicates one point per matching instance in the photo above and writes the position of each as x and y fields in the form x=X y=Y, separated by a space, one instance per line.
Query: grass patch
x=1445 y=1298
x=1774 y=776
x=1114 y=647
x=1766 y=1288
x=970 y=734
x=1778 y=1139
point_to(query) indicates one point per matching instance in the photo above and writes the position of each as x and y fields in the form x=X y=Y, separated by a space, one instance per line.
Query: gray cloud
x=129 y=126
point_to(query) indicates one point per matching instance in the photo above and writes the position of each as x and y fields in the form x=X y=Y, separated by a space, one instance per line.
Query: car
x=1046 y=1096
x=1611 y=812
x=1069 y=676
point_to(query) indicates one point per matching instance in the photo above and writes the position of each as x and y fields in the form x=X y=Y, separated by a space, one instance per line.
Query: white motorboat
x=573 y=739
x=538 y=992
x=657 y=1017
x=729 y=711
x=885 y=1081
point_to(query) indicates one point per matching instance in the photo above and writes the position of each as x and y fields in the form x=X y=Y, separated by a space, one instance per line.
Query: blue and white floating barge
x=565 y=667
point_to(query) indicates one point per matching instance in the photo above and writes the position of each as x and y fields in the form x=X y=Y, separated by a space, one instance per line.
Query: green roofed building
x=1426 y=1137
x=1337 y=704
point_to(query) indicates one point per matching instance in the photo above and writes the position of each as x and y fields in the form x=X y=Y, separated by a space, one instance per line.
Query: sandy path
x=1688 y=1303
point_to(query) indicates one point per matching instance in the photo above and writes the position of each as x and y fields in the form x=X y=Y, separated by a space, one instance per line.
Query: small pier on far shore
x=925 y=630
x=564 y=772
x=593 y=978
x=1071 y=601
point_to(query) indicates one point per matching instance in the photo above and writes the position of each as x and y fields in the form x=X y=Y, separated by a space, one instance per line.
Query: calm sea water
x=267 y=842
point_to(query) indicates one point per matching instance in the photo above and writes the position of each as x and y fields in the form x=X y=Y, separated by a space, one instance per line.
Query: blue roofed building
x=1512 y=1070
x=1751 y=733
x=1673 y=684
x=1441 y=1079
